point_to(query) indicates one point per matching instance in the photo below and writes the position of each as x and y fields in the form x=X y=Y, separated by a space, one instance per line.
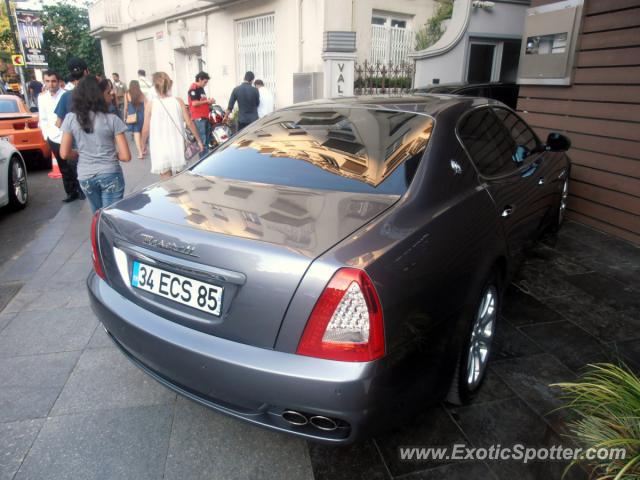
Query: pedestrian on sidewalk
x=266 y=105
x=109 y=94
x=248 y=100
x=48 y=101
x=145 y=85
x=134 y=105
x=199 y=109
x=164 y=126
x=120 y=89
x=68 y=168
x=101 y=144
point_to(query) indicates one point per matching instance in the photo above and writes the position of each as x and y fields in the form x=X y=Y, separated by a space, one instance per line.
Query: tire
x=561 y=209
x=475 y=353
x=18 y=187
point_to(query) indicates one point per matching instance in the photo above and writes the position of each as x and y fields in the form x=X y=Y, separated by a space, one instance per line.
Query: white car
x=14 y=190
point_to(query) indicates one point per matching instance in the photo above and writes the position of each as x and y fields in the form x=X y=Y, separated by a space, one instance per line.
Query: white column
x=339 y=74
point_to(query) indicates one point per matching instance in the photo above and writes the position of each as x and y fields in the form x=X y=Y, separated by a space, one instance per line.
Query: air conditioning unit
x=307 y=86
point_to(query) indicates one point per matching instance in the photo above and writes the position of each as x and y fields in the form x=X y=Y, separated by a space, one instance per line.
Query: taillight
x=346 y=323
x=95 y=252
x=32 y=124
x=19 y=126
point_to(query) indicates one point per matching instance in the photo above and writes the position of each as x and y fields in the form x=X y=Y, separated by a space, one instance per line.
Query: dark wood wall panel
x=622 y=93
x=612 y=111
x=603 y=196
x=612 y=39
x=600 y=112
x=608 y=163
x=611 y=21
x=607 y=128
x=609 y=58
x=593 y=7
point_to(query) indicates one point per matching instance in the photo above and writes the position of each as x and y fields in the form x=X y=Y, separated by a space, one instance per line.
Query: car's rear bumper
x=27 y=141
x=250 y=383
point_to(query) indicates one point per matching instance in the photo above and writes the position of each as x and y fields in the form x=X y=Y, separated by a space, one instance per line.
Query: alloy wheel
x=563 y=201
x=481 y=337
x=19 y=182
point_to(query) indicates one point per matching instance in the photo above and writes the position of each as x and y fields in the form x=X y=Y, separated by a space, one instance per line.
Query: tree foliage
x=431 y=32
x=66 y=34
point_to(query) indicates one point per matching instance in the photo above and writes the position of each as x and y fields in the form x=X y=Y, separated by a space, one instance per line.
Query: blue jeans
x=204 y=131
x=104 y=189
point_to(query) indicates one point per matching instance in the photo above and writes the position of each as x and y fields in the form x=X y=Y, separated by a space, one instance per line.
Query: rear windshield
x=347 y=149
x=9 y=106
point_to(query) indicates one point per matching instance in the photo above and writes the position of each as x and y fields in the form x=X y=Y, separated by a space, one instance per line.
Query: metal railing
x=380 y=79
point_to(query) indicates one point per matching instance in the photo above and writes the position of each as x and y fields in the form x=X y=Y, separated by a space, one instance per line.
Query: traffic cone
x=55 y=169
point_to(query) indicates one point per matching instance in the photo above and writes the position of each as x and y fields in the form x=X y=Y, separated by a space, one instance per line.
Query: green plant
x=431 y=32
x=607 y=403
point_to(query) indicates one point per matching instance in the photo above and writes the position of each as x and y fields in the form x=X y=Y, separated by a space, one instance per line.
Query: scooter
x=220 y=132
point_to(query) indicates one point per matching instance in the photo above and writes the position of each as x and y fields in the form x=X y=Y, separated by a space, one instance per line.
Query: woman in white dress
x=164 y=121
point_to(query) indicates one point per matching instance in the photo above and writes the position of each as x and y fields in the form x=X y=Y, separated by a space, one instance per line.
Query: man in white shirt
x=266 y=104
x=146 y=86
x=48 y=101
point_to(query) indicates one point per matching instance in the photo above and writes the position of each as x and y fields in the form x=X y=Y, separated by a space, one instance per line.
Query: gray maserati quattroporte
x=335 y=267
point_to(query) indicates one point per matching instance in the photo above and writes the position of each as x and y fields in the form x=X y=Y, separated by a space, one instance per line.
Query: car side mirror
x=556 y=142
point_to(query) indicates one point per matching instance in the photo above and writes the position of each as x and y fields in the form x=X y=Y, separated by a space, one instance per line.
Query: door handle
x=507 y=211
x=541 y=181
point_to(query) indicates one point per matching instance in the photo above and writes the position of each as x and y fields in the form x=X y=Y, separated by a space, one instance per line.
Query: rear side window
x=348 y=149
x=9 y=106
x=488 y=143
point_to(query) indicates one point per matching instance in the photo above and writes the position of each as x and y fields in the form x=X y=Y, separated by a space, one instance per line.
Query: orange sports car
x=21 y=126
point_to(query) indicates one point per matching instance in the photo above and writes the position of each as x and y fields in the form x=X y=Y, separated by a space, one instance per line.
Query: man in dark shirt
x=199 y=109
x=248 y=100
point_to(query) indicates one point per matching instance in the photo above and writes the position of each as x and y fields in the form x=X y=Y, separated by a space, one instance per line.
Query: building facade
x=274 y=38
x=481 y=44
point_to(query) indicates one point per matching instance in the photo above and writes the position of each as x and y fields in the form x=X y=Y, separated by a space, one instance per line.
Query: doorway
x=492 y=60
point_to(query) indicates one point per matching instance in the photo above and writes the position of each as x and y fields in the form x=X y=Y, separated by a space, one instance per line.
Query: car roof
x=429 y=104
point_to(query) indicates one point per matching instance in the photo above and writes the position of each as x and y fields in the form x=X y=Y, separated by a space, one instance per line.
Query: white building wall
x=448 y=68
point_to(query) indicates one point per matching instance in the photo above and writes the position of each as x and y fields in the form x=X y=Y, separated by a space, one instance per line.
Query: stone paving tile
x=455 y=471
x=20 y=301
x=15 y=440
x=620 y=250
x=7 y=292
x=434 y=427
x=493 y=388
x=360 y=461
x=520 y=308
x=530 y=378
x=508 y=423
x=206 y=444
x=125 y=443
x=611 y=292
x=105 y=379
x=44 y=331
x=30 y=385
x=100 y=339
x=601 y=321
x=629 y=353
x=543 y=282
x=570 y=344
x=5 y=318
x=509 y=342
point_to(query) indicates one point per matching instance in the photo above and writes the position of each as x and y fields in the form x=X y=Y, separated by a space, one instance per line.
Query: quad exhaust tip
x=295 y=418
x=300 y=419
x=323 y=423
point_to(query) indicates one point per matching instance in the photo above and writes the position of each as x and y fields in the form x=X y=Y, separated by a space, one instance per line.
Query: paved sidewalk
x=72 y=406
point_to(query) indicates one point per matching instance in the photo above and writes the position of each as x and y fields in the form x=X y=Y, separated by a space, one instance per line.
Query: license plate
x=187 y=291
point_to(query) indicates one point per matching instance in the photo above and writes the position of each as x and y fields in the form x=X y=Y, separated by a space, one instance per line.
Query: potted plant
x=606 y=401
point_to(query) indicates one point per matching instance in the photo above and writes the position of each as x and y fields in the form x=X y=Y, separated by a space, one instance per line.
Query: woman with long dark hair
x=134 y=105
x=109 y=94
x=100 y=141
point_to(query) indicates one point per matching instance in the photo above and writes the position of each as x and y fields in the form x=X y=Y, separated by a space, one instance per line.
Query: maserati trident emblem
x=183 y=248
